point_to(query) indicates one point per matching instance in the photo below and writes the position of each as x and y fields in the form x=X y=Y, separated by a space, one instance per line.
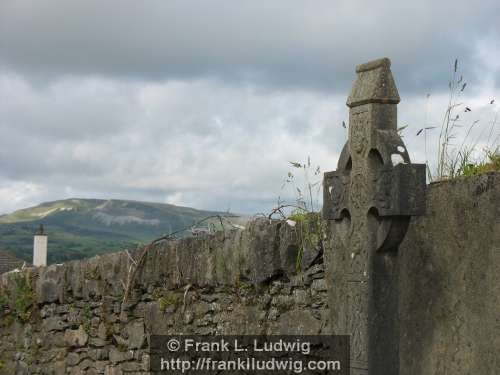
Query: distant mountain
x=79 y=228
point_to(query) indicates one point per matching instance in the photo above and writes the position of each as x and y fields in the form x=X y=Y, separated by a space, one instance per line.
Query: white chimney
x=40 y=248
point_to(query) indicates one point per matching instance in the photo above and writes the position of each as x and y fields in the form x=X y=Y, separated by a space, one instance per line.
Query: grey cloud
x=66 y=109
x=215 y=145
x=196 y=143
x=277 y=43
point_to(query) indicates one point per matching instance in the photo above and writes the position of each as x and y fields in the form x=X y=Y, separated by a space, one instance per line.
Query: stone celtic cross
x=368 y=201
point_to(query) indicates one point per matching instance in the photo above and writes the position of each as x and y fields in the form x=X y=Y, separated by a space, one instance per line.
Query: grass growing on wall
x=303 y=213
x=459 y=153
x=309 y=233
x=22 y=298
x=490 y=164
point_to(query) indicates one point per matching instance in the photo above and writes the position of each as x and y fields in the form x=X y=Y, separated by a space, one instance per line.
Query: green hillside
x=79 y=228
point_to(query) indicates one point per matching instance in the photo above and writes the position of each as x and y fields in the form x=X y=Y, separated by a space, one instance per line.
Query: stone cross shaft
x=368 y=201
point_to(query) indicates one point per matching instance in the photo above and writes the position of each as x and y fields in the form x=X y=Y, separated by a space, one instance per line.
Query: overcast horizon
x=205 y=104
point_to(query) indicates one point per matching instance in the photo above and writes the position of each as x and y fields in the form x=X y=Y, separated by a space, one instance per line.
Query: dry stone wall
x=239 y=282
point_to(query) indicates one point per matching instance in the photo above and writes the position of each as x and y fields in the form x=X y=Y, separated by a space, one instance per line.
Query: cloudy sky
x=204 y=103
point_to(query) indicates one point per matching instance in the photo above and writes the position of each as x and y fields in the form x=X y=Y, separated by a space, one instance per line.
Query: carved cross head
x=374 y=174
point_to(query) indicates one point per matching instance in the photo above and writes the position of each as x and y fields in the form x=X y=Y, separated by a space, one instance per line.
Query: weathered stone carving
x=369 y=200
